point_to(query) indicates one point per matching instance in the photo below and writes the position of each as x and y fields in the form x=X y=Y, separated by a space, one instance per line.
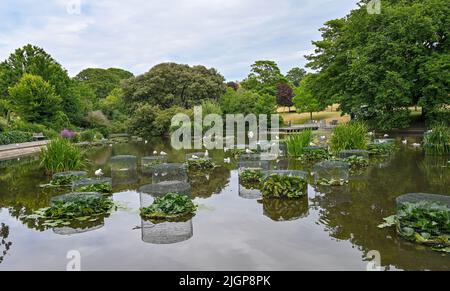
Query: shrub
x=171 y=206
x=296 y=143
x=3 y=124
x=200 y=165
x=351 y=136
x=437 y=141
x=90 y=135
x=12 y=137
x=61 y=156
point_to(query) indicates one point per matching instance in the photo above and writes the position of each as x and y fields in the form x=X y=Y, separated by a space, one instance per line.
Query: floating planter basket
x=314 y=154
x=161 y=189
x=421 y=197
x=75 y=196
x=149 y=162
x=284 y=184
x=123 y=163
x=250 y=183
x=66 y=178
x=354 y=153
x=263 y=165
x=331 y=173
x=286 y=210
x=67 y=230
x=103 y=185
x=166 y=232
x=170 y=172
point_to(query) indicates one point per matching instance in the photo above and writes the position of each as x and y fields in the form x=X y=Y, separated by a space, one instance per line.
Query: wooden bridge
x=299 y=128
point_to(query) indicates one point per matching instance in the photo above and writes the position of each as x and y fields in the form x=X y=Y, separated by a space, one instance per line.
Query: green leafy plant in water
x=315 y=155
x=251 y=179
x=351 y=136
x=170 y=207
x=381 y=149
x=63 y=213
x=235 y=153
x=357 y=162
x=103 y=188
x=64 y=180
x=201 y=165
x=279 y=186
x=297 y=143
x=62 y=156
x=426 y=223
x=437 y=141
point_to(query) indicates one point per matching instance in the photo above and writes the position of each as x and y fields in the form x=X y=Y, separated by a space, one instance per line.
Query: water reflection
x=204 y=186
x=5 y=245
x=286 y=209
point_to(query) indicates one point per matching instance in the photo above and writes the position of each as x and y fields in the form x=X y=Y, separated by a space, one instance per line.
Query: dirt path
x=12 y=151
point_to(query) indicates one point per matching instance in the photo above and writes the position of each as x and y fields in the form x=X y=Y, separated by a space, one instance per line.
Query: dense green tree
x=35 y=99
x=34 y=60
x=264 y=78
x=103 y=81
x=304 y=100
x=171 y=84
x=295 y=76
x=384 y=63
x=247 y=102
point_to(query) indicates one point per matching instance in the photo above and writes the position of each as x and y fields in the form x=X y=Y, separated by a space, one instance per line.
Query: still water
x=332 y=229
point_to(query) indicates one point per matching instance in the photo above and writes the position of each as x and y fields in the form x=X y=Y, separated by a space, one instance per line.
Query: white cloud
x=137 y=34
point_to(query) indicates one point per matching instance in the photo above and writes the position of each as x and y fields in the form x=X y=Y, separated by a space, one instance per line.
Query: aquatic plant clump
x=74 y=207
x=424 y=222
x=283 y=186
x=437 y=140
x=381 y=149
x=351 y=136
x=314 y=154
x=103 y=185
x=297 y=143
x=172 y=206
x=357 y=162
x=66 y=178
x=201 y=165
x=251 y=179
x=62 y=156
x=149 y=162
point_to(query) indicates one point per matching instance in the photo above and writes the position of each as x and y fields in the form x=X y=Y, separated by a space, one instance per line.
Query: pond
x=334 y=228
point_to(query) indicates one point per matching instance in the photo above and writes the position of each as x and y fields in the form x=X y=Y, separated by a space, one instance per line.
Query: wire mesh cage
x=163 y=188
x=261 y=165
x=67 y=230
x=75 y=196
x=384 y=141
x=166 y=232
x=87 y=184
x=249 y=157
x=354 y=153
x=196 y=156
x=250 y=183
x=331 y=173
x=75 y=174
x=170 y=172
x=423 y=197
x=123 y=163
x=127 y=177
x=289 y=173
x=147 y=163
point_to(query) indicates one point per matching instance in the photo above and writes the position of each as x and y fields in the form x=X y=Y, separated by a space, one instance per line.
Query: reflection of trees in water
x=166 y=232
x=5 y=245
x=204 y=186
x=436 y=170
x=353 y=213
x=286 y=209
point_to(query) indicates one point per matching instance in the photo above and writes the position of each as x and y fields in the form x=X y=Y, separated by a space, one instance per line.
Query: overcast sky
x=138 y=34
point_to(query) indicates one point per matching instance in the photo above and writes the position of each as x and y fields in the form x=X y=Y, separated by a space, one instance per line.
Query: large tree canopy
x=170 y=84
x=295 y=76
x=385 y=62
x=35 y=61
x=264 y=78
x=103 y=81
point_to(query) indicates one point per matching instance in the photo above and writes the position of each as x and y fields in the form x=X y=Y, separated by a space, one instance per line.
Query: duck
x=163 y=154
x=99 y=173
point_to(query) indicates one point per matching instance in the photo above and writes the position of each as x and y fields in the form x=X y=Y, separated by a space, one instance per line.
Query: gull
x=226 y=150
x=206 y=154
x=99 y=173
x=404 y=141
x=163 y=154
x=386 y=135
x=251 y=134
x=227 y=161
x=323 y=137
x=371 y=133
x=155 y=152
x=416 y=145
x=146 y=142
x=195 y=157
x=248 y=151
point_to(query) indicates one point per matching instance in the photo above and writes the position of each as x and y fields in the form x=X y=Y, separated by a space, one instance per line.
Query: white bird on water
x=155 y=153
x=416 y=145
x=405 y=141
x=146 y=142
x=206 y=154
x=248 y=151
x=386 y=135
x=163 y=154
x=99 y=173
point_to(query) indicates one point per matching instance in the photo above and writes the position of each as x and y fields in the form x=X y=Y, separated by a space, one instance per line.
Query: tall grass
x=61 y=156
x=351 y=136
x=437 y=141
x=296 y=143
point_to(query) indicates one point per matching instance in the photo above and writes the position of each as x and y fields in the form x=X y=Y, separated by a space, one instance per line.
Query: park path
x=12 y=151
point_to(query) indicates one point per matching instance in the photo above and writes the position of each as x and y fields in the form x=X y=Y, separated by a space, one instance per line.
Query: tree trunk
x=311 y=116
